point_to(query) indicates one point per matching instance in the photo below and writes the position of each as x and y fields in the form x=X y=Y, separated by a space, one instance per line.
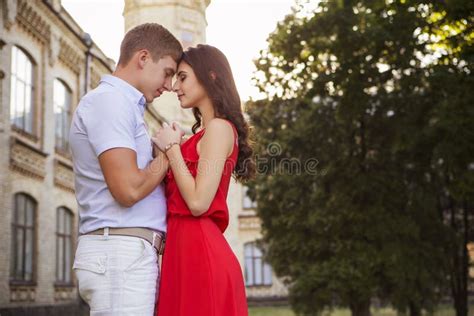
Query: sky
x=239 y=28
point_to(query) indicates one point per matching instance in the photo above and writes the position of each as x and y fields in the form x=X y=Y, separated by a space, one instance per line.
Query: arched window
x=64 y=224
x=62 y=114
x=22 y=91
x=23 y=238
x=257 y=272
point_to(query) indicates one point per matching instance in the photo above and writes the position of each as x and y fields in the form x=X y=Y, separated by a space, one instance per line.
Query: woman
x=200 y=274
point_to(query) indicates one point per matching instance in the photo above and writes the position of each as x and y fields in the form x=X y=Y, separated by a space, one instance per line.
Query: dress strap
x=199 y=135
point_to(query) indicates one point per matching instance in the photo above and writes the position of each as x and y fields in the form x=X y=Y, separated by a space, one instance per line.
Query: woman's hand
x=176 y=127
x=167 y=135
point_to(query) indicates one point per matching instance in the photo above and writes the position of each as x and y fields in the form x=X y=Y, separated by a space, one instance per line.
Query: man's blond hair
x=152 y=37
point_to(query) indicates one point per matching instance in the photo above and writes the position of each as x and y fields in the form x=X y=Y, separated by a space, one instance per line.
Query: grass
x=286 y=311
x=270 y=311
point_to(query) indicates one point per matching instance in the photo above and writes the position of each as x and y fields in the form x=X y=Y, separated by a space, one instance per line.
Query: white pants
x=117 y=275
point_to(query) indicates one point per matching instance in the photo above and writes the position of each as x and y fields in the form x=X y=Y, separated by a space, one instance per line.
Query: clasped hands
x=168 y=135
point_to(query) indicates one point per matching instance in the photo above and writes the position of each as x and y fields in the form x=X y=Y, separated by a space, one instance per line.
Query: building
x=47 y=63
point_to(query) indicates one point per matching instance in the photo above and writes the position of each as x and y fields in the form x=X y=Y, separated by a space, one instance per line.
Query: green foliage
x=376 y=94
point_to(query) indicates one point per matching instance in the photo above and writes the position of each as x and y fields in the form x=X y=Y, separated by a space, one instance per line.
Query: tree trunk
x=414 y=310
x=460 y=271
x=361 y=308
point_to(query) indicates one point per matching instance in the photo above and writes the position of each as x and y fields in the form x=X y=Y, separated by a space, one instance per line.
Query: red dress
x=200 y=274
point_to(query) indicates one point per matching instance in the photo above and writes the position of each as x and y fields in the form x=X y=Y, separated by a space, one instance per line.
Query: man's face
x=157 y=77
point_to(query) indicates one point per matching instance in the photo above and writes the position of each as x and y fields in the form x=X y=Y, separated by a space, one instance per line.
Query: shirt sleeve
x=110 y=122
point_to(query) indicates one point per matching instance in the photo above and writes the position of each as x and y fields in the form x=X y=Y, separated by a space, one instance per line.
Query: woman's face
x=190 y=92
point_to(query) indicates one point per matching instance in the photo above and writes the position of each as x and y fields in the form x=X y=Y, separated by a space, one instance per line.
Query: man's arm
x=110 y=124
x=126 y=182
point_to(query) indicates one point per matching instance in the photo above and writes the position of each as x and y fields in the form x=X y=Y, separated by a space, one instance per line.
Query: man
x=121 y=202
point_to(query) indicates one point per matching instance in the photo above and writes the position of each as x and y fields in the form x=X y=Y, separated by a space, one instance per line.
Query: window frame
x=15 y=80
x=66 y=237
x=61 y=145
x=23 y=227
x=254 y=258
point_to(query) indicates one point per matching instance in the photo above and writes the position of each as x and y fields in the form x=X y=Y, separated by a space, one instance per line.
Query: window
x=64 y=222
x=62 y=114
x=23 y=238
x=247 y=202
x=21 y=93
x=257 y=272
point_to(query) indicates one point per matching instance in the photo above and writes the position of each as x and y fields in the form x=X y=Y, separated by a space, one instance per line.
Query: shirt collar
x=130 y=91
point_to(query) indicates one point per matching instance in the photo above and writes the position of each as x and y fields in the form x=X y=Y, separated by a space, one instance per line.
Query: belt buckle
x=159 y=242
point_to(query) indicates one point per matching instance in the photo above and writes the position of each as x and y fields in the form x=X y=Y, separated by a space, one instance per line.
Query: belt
x=156 y=239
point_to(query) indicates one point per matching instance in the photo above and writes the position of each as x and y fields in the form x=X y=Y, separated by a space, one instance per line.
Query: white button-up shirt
x=111 y=116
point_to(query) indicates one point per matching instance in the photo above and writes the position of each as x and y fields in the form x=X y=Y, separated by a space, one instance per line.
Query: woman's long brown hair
x=213 y=72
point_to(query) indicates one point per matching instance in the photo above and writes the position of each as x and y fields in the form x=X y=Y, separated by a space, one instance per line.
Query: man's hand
x=156 y=150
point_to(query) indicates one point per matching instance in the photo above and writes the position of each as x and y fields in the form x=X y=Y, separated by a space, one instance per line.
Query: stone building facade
x=47 y=63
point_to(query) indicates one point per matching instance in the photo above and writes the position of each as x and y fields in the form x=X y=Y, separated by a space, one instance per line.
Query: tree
x=451 y=133
x=357 y=85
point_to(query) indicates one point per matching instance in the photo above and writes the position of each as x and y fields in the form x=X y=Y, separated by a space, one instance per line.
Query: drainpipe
x=88 y=42
x=2 y=76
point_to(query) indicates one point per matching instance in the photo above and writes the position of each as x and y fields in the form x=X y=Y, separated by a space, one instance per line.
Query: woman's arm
x=215 y=146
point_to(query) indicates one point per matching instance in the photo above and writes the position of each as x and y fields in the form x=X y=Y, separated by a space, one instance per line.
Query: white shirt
x=111 y=116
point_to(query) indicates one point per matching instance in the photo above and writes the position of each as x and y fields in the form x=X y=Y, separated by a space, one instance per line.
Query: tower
x=186 y=20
